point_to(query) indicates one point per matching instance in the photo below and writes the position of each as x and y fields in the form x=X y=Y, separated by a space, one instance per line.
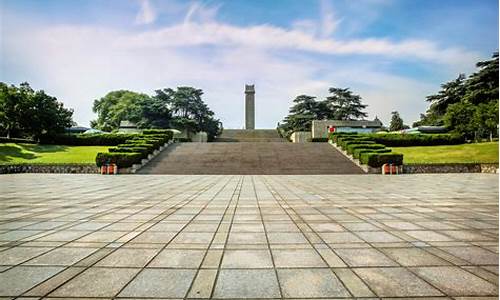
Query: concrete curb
x=366 y=169
x=137 y=167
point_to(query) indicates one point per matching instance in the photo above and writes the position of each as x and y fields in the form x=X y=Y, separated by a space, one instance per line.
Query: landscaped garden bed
x=37 y=154
x=81 y=153
x=421 y=153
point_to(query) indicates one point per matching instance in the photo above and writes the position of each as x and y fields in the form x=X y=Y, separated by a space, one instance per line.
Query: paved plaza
x=234 y=236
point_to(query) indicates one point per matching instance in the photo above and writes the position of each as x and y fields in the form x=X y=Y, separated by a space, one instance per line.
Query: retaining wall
x=71 y=169
x=450 y=168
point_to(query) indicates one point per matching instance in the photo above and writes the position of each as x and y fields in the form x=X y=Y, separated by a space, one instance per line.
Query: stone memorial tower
x=249 y=106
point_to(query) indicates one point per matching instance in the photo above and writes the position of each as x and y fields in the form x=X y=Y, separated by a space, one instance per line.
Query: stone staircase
x=253 y=136
x=256 y=152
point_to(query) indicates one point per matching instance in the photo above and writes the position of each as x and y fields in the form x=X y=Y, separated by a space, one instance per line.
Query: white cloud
x=146 y=14
x=81 y=63
x=329 y=22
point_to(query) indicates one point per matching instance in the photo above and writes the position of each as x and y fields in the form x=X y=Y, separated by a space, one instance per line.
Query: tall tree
x=486 y=119
x=451 y=92
x=396 y=122
x=345 y=105
x=460 y=119
x=117 y=106
x=28 y=113
x=47 y=115
x=482 y=86
x=468 y=106
x=189 y=111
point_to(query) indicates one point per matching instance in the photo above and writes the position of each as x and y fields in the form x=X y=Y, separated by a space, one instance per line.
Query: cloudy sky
x=391 y=52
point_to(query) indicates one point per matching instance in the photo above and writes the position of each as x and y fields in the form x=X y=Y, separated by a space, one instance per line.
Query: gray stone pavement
x=175 y=236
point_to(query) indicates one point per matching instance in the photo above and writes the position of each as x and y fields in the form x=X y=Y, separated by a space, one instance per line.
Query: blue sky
x=391 y=52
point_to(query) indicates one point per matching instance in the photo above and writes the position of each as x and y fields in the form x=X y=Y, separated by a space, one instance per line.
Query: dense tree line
x=342 y=104
x=182 y=108
x=26 y=113
x=468 y=106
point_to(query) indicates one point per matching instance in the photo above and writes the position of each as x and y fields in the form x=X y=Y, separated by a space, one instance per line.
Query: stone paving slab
x=249 y=237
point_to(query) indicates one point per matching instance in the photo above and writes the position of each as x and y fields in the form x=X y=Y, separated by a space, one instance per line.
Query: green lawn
x=466 y=153
x=11 y=153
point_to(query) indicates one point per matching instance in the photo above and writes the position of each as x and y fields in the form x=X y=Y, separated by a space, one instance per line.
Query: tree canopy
x=182 y=108
x=344 y=105
x=468 y=106
x=341 y=105
x=25 y=112
x=396 y=122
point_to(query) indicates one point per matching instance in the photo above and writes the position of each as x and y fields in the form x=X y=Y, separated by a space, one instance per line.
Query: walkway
x=93 y=236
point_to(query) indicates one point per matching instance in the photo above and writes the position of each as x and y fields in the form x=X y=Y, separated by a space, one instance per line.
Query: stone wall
x=81 y=168
x=450 y=168
x=300 y=136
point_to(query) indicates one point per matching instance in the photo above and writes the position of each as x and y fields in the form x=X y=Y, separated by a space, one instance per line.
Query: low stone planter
x=59 y=168
x=136 y=167
x=450 y=168
x=365 y=168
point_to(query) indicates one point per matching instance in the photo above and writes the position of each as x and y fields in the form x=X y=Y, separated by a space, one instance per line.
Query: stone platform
x=248 y=237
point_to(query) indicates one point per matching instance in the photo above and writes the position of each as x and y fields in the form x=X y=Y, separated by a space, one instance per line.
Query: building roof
x=77 y=129
x=352 y=123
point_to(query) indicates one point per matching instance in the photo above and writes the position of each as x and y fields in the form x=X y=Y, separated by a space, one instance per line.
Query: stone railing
x=60 y=168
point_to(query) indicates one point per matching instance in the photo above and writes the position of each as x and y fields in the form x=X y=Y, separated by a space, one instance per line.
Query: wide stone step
x=250 y=158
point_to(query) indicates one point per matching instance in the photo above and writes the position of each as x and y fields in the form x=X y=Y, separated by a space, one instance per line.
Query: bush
x=16 y=140
x=158 y=132
x=357 y=152
x=145 y=151
x=122 y=160
x=344 y=144
x=342 y=140
x=318 y=140
x=352 y=147
x=334 y=135
x=378 y=159
x=99 y=139
x=408 y=140
x=140 y=140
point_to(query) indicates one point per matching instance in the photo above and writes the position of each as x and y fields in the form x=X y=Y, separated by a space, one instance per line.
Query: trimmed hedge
x=352 y=147
x=334 y=135
x=376 y=160
x=408 y=140
x=122 y=160
x=16 y=140
x=157 y=131
x=133 y=150
x=344 y=143
x=318 y=140
x=145 y=151
x=99 y=139
x=357 y=152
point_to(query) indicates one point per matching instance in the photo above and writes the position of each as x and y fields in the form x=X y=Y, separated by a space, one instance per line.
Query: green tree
x=47 y=116
x=345 y=105
x=396 y=122
x=118 y=106
x=468 y=106
x=28 y=113
x=459 y=118
x=188 y=110
x=451 y=92
x=12 y=107
x=482 y=86
x=486 y=119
